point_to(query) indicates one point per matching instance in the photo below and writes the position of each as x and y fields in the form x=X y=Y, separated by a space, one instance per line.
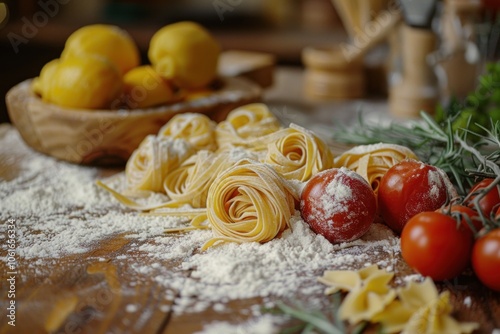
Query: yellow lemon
x=186 y=53
x=145 y=88
x=90 y=82
x=41 y=83
x=106 y=40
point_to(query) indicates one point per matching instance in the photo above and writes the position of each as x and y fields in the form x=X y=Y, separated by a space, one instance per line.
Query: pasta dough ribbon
x=298 y=154
x=249 y=202
x=197 y=129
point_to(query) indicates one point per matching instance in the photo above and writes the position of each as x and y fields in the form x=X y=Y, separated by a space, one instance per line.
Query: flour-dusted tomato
x=488 y=202
x=486 y=259
x=410 y=187
x=434 y=244
x=338 y=204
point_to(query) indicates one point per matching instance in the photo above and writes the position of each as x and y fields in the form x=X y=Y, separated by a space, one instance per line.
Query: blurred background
x=280 y=27
x=32 y=32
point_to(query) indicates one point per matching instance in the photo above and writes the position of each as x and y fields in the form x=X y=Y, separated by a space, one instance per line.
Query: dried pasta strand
x=197 y=129
x=128 y=201
x=298 y=154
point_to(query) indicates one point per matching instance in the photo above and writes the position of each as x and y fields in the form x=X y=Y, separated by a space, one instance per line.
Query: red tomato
x=488 y=202
x=338 y=204
x=465 y=213
x=433 y=245
x=410 y=187
x=497 y=215
x=486 y=259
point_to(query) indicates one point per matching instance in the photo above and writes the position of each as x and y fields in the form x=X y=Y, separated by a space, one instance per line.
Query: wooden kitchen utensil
x=417 y=89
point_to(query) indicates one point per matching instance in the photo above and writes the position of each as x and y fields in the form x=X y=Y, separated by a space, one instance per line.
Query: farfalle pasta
x=415 y=308
x=197 y=129
x=153 y=160
x=373 y=161
x=246 y=125
x=420 y=309
x=298 y=154
x=249 y=202
x=369 y=292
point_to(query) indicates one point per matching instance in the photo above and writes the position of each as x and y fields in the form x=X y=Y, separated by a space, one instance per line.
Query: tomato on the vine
x=467 y=215
x=486 y=259
x=489 y=201
x=410 y=187
x=433 y=245
x=338 y=204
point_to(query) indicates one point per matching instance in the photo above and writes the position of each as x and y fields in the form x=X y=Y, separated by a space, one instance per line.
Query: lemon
x=108 y=41
x=41 y=83
x=186 y=53
x=89 y=82
x=145 y=88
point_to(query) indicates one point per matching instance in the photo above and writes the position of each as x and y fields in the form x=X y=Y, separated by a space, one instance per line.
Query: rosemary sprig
x=315 y=321
x=432 y=143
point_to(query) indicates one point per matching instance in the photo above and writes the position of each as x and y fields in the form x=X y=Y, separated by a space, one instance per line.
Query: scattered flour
x=60 y=211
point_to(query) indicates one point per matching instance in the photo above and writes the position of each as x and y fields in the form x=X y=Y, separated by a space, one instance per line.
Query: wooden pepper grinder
x=417 y=88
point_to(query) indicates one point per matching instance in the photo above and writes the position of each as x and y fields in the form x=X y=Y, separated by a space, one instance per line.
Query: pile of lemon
x=100 y=67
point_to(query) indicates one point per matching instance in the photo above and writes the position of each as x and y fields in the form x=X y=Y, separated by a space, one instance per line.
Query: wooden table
x=101 y=290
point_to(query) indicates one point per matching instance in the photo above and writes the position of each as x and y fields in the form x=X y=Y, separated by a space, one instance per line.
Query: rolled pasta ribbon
x=298 y=154
x=153 y=160
x=373 y=161
x=197 y=129
x=245 y=124
x=189 y=183
x=249 y=202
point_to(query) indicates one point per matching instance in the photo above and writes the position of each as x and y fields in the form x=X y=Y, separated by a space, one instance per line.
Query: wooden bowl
x=108 y=137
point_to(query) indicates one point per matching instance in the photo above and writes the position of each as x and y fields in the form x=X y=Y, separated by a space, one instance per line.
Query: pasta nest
x=298 y=154
x=153 y=160
x=245 y=126
x=249 y=202
x=189 y=183
x=197 y=129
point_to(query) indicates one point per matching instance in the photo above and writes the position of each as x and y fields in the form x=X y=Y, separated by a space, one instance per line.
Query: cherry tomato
x=433 y=245
x=410 y=187
x=486 y=259
x=338 y=204
x=488 y=202
x=465 y=213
